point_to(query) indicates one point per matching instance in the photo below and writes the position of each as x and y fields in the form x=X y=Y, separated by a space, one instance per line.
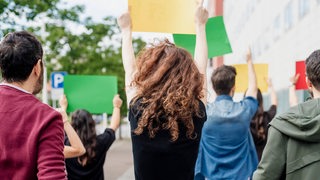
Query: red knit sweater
x=31 y=138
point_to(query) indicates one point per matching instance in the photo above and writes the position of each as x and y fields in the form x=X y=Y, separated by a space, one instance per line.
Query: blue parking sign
x=57 y=79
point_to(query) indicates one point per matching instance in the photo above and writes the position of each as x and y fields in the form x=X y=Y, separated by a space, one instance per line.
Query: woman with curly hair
x=166 y=97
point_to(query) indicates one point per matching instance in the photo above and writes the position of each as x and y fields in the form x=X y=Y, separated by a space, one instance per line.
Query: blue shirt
x=226 y=148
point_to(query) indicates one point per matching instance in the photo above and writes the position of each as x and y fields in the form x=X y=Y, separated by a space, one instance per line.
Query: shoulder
x=251 y=100
x=48 y=112
x=108 y=134
x=105 y=140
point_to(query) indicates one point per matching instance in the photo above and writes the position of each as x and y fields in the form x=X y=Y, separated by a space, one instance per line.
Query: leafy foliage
x=94 y=50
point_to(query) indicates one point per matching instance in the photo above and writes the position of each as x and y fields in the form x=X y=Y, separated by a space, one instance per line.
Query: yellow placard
x=242 y=77
x=167 y=16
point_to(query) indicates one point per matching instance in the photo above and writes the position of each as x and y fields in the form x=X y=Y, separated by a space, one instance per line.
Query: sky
x=98 y=9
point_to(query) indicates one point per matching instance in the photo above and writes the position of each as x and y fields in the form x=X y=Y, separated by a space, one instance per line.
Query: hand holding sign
x=294 y=79
x=202 y=14
x=124 y=21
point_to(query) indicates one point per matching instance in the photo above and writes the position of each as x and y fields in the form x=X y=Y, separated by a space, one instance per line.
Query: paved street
x=119 y=162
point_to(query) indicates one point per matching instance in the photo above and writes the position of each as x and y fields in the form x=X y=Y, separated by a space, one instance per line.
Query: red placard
x=301 y=69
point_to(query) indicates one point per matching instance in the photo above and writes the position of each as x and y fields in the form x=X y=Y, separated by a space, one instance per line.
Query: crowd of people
x=176 y=134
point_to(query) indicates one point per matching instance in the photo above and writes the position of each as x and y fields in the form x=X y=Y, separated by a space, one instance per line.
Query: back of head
x=223 y=79
x=169 y=84
x=313 y=69
x=162 y=64
x=84 y=125
x=19 y=52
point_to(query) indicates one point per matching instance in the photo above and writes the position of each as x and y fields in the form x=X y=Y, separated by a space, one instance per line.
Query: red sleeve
x=51 y=164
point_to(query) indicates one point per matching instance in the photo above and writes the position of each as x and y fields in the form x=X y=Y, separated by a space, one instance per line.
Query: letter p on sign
x=57 y=79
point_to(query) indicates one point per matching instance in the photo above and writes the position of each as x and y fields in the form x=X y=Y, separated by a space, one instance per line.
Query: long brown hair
x=169 y=85
x=257 y=125
x=84 y=125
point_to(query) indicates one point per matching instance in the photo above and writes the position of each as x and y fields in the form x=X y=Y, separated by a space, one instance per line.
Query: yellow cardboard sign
x=167 y=16
x=242 y=77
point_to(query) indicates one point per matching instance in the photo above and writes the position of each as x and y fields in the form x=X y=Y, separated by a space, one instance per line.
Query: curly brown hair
x=168 y=85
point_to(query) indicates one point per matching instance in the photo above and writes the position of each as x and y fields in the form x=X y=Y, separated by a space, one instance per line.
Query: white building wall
x=264 y=25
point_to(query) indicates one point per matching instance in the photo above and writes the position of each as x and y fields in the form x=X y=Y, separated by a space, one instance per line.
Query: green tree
x=96 y=50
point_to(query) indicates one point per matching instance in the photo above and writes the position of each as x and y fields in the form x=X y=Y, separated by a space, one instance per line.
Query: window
x=304 y=7
x=288 y=16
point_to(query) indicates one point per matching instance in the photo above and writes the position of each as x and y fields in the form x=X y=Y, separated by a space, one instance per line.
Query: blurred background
x=81 y=37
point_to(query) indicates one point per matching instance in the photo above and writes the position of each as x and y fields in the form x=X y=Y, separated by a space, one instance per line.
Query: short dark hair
x=313 y=69
x=223 y=79
x=19 y=52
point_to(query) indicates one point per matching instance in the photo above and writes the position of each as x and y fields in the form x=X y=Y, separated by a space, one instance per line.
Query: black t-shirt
x=158 y=157
x=94 y=170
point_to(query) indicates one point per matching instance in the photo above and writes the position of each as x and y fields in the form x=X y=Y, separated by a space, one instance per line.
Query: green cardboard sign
x=93 y=93
x=217 y=38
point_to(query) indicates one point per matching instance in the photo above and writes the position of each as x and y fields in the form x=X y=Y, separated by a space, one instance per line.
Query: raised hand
x=201 y=15
x=269 y=82
x=294 y=79
x=117 y=102
x=124 y=21
x=63 y=102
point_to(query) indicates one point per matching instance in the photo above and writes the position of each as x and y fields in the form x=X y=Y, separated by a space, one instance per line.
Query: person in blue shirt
x=227 y=149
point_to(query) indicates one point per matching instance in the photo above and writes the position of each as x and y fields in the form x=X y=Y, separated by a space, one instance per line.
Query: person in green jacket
x=292 y=151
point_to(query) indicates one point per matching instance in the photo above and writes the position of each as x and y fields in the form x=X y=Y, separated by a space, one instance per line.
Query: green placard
x=93 y=93
x=217 y=38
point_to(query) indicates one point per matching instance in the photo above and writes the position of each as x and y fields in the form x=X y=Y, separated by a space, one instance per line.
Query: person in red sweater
x=31 y=133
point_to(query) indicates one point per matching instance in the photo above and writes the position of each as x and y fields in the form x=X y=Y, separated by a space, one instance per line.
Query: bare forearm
x=201 y=49
x=274 y=98
x=293 y=99
x=76 y=148
x=252 y=86
x=115 y=119
x=128 y=53
x=201 y=56
x=129 y=63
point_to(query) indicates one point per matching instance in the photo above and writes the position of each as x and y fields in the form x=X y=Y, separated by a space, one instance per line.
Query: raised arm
x=293 y=99
x=128 y=58
x=201 y=49
x=252 y=86
x=273 y=94
x=115 y=119
x=76 y=147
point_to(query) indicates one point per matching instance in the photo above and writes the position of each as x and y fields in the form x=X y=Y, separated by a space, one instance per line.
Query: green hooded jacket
x=292 y=151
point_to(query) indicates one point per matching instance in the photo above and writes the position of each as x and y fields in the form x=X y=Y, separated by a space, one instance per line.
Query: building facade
x=280 y=32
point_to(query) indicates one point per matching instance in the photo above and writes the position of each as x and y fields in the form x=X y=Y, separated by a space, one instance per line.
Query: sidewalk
x=119 y=160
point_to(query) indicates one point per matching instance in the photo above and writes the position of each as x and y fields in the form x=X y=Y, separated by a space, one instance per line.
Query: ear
x=309 y=84
x=233 y=89
x=37 y=68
